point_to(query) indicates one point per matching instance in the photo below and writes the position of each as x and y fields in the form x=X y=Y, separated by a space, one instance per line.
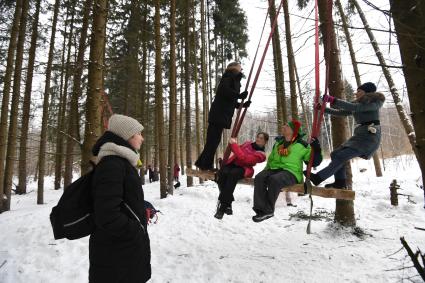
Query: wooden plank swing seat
x=298 y=188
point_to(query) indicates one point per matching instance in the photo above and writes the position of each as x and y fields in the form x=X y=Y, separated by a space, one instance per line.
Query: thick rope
x=318 y=113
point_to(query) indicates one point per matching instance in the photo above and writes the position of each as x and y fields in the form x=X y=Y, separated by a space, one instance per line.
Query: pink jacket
x=246 y=156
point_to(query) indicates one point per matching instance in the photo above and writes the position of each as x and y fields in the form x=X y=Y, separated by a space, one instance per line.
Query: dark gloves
x=246 y=104
x=318 y=106
x=243 y=95
x=315 y=145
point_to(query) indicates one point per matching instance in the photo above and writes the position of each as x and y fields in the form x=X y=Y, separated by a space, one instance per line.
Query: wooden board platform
x=298 y=188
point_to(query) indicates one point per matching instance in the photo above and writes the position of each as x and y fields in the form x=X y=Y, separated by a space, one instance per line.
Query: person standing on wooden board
x=221 y=112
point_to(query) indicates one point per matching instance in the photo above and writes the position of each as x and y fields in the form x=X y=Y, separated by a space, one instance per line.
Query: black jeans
x=267 y=186
x=206 y=159
x=228 y=177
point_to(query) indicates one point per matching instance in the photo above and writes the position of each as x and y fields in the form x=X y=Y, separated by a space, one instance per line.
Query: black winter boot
x=338 y=184
x=221 y=208
x=314 y=178
x=229 y=210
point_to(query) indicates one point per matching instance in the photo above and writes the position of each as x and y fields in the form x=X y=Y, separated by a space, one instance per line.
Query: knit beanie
x=368 y=87
x=124 y=126
x=295 y=125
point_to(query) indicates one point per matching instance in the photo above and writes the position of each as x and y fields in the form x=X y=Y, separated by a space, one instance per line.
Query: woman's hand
x=233 y=140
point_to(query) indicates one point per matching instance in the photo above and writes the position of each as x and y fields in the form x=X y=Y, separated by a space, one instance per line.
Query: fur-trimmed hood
x=371 y=97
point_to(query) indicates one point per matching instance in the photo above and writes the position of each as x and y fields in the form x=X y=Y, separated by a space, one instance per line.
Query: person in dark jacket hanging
x=367 y=134
x=284 y=168
x=119 y=248
x=239 y=165
x=221 y=112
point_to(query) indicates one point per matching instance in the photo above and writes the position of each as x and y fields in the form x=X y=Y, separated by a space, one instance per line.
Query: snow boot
x=338 y=184
x=221 y=208
x=314 y=178
x=261 y=216
x=229 y=210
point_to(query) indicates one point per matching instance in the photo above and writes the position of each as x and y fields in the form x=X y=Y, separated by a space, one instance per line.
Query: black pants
x=206 y=159
x=267 y=186
x=228 y=177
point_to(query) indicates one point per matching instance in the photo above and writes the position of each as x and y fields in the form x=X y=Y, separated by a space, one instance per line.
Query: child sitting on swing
x=284 y=168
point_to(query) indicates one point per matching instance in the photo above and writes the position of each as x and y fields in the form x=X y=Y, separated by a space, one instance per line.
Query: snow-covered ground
x=189 y=245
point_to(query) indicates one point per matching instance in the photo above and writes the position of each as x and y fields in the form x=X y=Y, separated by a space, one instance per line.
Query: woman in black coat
x=119 y=248
x=221 y=112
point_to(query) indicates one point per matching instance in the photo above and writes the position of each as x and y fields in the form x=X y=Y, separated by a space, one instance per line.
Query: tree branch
x=374 y=64
x=414 y=258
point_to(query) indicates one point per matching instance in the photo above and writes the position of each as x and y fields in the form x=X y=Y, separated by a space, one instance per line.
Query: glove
x=315 y=144
x=246 y=104
x=237 y=105
x=318 y=106
x=243 y=95
x=328 y=98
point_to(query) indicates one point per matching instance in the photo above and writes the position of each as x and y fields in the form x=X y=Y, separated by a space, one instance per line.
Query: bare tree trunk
x=173 y=98
x=210 y=76
x=13 y=124
x=344 y=211
x=73 y=119
x=95 y=89
x=409 y=23
x=63 y=108
x=187 y=90
x=405 y=121
x=22 y=187
x=43 y=136
x=278 y=65
x=194 y=48
x=291 y=62
x=6 y=96
x=182 y=111
x=159 y=103
x=143 y=94
x=204 y=73
x=376 y=161
x=148 y=146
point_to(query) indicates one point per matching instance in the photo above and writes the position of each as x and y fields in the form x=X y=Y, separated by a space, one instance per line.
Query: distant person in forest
x=176 y=172
x=284 y=168
x=367 y=134
x=150 y=174
x=221 y=112
x=119 y=248
x=239 y=165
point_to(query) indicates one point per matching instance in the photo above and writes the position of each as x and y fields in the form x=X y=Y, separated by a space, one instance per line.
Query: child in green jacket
x=284 y=168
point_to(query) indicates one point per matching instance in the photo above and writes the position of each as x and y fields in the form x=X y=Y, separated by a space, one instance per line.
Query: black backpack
x=72 y=217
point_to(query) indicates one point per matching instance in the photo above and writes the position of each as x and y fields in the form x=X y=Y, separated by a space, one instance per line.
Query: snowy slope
x=190 y=245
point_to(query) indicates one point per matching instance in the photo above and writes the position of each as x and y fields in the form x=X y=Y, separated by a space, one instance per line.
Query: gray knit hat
x=124 y=126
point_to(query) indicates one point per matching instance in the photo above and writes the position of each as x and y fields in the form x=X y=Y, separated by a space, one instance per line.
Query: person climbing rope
x=239 y=165
x=366 y=138
x=221 y=112
x=284 y=168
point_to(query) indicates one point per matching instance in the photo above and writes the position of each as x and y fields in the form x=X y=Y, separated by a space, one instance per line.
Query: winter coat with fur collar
x=119 y=249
